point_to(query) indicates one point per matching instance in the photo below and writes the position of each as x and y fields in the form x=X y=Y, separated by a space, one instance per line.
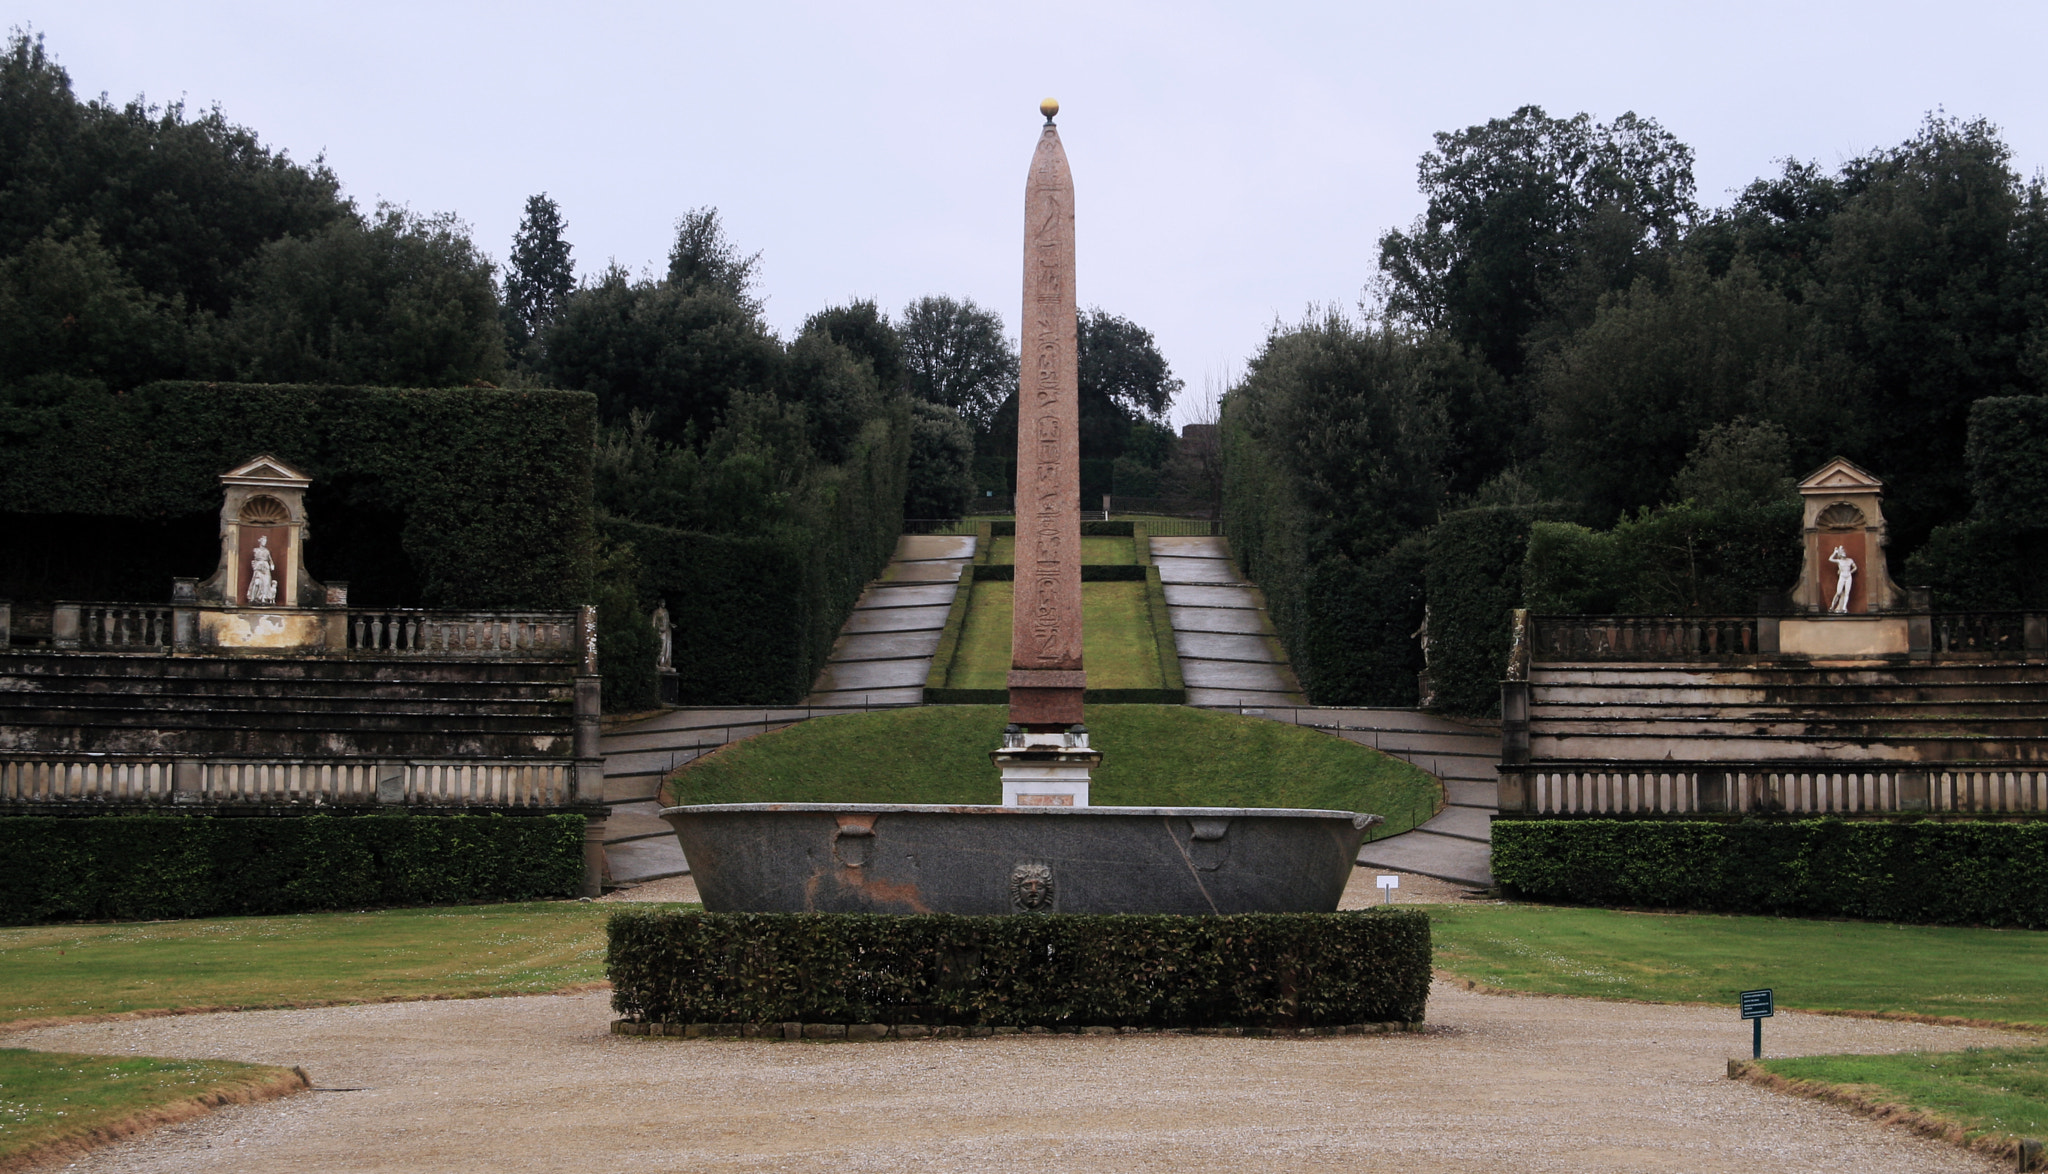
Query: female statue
x=262 y=574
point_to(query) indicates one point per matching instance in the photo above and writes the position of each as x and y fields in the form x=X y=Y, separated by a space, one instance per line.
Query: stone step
x=1466 y=823
x=1219 y=619
x=1180 y=595
x=864 y=646
x=1225 y=646
x=636 y=861
x=1448 y=858
x=1202 y=571
x=1219 y=698
x=897 y=619
x=914 y=547
x=881 y=598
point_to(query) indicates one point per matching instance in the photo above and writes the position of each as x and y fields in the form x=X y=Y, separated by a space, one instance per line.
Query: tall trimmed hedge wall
x=1924 y=871
x=1997 y=558
x=465 y=498
x=1348 y=624
x=125 y=867
x=1475 y=583
x=1266 y=969
x=755 y=615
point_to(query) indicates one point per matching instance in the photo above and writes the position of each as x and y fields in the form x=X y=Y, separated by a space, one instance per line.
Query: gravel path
x=1497 y=1084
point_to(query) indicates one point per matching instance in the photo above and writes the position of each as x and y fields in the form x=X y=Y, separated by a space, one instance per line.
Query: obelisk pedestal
x=1045 y=758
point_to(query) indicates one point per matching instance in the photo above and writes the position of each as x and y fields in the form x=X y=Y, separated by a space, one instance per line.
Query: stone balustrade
x=442 y=633
x=1616 y=788
x=70 y=625
x=1978 y=635
x=28 y=778
x=1643 y=638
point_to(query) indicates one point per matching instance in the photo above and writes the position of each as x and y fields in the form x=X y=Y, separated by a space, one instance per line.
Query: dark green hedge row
x=1474 y=585
x=1090 y=572
x=1168 y=696
x=485 y=494
x=755 y=615
x=1250 y=970
x=1926 y=872
x=1109 y=529
x=122 y=867
x=1997 y=558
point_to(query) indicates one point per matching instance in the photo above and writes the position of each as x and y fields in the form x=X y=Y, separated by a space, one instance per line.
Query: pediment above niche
x=1840 y=475
x=266 y=470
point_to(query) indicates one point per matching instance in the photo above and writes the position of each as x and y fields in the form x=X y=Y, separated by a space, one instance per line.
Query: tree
x=182 y=203
x=1628 y=397
x=540 y=278
x=402 y=301
x=66 y=308
x=1123 y=380
x=941 y=462
x=657 y=347
x=837 y=388
x=1925 y=300
x=1529 y=214
x=1358 y=439
x=704 y=260
x=861 y=327
x=955 y=355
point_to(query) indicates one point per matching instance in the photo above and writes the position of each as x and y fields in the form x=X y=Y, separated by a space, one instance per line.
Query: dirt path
x=537 y=1084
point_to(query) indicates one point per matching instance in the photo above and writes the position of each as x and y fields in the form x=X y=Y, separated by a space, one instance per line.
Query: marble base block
x=1046 y=769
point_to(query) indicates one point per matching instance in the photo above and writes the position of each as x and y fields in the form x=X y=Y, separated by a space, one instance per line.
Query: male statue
x=1845 y=579
x=262 y=573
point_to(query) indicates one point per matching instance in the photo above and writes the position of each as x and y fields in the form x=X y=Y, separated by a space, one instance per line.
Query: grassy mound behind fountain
x=1154 y=756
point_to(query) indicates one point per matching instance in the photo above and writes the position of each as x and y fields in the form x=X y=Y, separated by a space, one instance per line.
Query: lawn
x=1987 y=974
x=1153 y=756
x=1990 y=1094
x=1116 y=638
x=51 y=1101
x=1096 y=550
x=70 y=970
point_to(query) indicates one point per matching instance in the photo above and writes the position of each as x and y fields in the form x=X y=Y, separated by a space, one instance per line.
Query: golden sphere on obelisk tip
x=1049 y=107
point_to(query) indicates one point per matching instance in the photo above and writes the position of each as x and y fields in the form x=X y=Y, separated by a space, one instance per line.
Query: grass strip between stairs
x=56 y=1105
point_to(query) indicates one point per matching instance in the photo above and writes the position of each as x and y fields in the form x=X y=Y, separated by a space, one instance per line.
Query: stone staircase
x=278 y=707
x=1927 y=713
x=1229 y=658
x=1229 y=654
x=1454 y=845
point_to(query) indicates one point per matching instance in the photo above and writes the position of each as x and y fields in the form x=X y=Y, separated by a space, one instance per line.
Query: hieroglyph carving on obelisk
x=1046 y=678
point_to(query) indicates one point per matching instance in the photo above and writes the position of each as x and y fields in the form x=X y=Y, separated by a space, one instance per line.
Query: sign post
x=1387 y=886
x=1756 y=1007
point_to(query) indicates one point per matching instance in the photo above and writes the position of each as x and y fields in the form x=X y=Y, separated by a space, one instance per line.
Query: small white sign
x=1390 y=882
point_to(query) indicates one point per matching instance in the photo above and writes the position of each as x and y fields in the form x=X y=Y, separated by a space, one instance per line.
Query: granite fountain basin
x=932 y=858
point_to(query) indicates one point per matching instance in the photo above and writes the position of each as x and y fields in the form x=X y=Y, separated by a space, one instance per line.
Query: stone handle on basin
x=1362 y=821
x=852 y=844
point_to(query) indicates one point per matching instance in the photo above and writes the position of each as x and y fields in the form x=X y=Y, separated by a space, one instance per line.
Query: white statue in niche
x=262 y=574
x=1845 y=579
x=664 y=631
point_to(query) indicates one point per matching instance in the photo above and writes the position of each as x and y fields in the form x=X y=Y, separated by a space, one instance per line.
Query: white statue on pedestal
x=262 y=574
x=664 y=632
x=1845 y=579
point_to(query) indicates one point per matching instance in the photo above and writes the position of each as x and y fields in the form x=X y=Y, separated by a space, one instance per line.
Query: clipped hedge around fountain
x=1260 y=970
x=1917 y=871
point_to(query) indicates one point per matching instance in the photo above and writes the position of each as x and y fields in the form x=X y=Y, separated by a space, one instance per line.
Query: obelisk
x=1045 y=755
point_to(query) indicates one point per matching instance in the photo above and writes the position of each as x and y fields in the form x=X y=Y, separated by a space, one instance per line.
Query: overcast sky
x=1233 y=163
